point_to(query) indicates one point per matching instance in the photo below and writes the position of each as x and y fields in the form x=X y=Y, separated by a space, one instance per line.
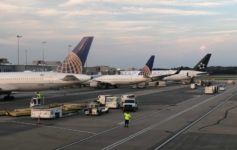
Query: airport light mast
x=18 y=41
x=26 y=52
x=43 y=43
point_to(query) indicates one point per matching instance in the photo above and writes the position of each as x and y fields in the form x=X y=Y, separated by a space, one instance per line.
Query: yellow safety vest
x=39 y=96
x=127 y=116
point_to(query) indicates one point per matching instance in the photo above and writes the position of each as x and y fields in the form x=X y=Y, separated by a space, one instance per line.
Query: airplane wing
x=104 y=82
x=70 y=78
x=160 y=77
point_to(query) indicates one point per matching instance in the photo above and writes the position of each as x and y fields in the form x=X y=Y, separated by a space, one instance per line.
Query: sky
x=126 y=32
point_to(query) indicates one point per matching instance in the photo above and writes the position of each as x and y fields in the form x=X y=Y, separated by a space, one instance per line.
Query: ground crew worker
x=127 y=117
x=39 y=96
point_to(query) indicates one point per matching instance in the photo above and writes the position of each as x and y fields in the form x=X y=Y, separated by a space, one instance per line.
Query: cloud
x=166 y=11
x=223 y=32
x=7 y=8
x=146 y=2
x=130 y=25
x=48 y=12
x=74 y=2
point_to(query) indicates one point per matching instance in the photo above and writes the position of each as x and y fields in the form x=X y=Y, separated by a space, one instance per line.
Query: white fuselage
x=121 y=79
x=183 y=74
x=35 y=81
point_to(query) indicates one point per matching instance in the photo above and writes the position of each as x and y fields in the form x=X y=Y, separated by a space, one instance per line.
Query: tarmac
x=173 y=117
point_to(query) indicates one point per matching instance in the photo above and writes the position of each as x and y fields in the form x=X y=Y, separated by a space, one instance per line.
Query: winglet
x=178 y=71
x=202 y=64
x=76 y=59
x=148 y=67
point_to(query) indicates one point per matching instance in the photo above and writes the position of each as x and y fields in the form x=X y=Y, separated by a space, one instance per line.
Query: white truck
x=109 y=101
x=46 y=112
x=130 y=105
x=210 y=89
x=193 y=86
x=125 y=97
x=221 y=88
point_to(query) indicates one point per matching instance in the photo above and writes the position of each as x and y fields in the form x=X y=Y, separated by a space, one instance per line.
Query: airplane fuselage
x=121 y=79
x=35 y=81
x=183 y=74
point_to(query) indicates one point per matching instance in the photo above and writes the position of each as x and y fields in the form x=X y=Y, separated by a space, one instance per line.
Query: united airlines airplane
x=115 y=80
x=68 y=74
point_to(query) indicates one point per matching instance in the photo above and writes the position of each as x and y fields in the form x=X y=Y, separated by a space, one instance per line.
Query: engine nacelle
x=94 y=84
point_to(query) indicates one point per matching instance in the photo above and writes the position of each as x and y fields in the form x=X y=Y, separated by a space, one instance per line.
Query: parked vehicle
x=109 y=101
x=35 y=102
x=130 y=105
x=95 y=109
x=46 y=112
x=221 y=88
x=211 y=89
x=125 y=97
x=112 y=102
x=193 y=86
x=102 y=99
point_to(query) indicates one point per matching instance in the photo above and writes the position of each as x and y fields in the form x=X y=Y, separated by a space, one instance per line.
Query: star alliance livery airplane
x=180 y=75
x=68 y=74
x=198 y=70
x=115 y=80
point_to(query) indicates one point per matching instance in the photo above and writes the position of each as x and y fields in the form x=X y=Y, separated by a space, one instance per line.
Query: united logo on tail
x=148 y=67
x=76 y=59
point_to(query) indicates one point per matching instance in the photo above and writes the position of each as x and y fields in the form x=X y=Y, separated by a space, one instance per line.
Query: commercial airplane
x=115 y=80
x=180 y=75
x=198 y=70
x=68 y=73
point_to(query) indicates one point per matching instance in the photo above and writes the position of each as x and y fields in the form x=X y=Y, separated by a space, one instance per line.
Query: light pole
x=69 y=48
x=18 y=41
x=26 y=52
x=44 y=42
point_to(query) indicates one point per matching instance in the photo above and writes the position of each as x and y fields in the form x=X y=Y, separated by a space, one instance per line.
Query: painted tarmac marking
x=120 y=123
x=54 y=127
x=155 y=125
x=192 y=124
x=76 y=142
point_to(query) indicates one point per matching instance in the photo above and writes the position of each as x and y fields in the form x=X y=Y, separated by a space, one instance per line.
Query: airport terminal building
x=36 y=66
x=41 y=66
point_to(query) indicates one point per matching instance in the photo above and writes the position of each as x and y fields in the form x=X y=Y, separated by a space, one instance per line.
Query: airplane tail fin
x=76 y=59
x=148 y=67
x=202 y=64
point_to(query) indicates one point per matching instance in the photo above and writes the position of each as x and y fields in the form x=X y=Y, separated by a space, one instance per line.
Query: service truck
x=109 y=101
x=210 y=89
x=193 y=86
x=125 y=97
x=130 y=105
x=46 y=112
x=94 y=109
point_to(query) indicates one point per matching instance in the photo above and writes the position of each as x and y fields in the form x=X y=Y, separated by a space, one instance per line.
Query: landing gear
x=106 y=86
x=8 y=97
